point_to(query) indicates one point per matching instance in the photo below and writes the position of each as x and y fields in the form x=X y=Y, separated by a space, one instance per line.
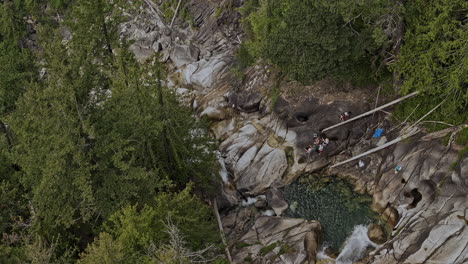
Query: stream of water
x=343 y=213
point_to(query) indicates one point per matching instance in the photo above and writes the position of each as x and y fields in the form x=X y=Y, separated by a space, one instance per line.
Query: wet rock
x=275 y=199
x=376 y=234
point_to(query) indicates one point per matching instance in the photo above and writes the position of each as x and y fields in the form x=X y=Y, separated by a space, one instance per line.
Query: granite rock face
x=278 y=240
x=262 y=144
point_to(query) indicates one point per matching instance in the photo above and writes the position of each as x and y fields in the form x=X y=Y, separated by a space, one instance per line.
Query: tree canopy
x=91 y=138
x=311 y=40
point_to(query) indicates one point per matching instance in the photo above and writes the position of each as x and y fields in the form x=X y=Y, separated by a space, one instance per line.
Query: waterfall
x=249 y=201
x=321 y=253
x=252 y=200
x=355 y=246
x=268 y=213
x=223 y=173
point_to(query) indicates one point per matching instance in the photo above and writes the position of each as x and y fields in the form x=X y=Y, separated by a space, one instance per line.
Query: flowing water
x=333 y=203
x=355 y=246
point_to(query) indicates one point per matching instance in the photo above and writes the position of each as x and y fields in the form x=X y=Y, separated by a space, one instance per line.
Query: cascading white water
x=355 y=246
x=223 y=173
x=321 y=253
x=252 y=200
x=249 y=201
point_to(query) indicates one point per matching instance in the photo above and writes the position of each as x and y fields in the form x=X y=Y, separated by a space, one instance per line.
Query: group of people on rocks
x=319 y=144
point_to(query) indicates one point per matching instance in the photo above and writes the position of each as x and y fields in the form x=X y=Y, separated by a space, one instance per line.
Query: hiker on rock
x=309 y=149
x=345 y=116
x=320 y=149
x=317 y=141
x=326 y=141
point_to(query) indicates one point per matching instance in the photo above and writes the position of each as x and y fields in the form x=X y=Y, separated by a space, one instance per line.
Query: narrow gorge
x=233 y=131
x=263 y=126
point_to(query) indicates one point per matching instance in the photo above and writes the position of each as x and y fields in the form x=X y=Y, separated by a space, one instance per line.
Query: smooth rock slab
x=275 y=199
x=269 y=235
x=268 y=167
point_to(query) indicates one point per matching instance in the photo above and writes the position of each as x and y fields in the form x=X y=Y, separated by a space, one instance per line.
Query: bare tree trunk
x=372 y=111
x=175 y=14
x=221 y=230
x=398 y=139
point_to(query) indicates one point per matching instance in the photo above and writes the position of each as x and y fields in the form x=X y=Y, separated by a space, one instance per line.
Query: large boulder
x=184 y=54
x=275 y=199
x=204 y=73
x=425 y=203
x=267 y=167
x=214 y=114
x=376 y=233
x=278 y=240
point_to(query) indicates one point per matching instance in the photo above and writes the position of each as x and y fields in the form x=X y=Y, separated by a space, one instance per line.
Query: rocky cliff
x=263 y=138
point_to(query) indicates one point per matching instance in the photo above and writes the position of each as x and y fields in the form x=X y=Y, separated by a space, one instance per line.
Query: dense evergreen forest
x=100 y=163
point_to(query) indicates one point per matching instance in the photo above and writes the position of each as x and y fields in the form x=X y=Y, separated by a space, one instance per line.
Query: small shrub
x=267 y=249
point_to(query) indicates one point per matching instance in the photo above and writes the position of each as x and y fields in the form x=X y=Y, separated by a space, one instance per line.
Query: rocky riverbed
x=263 y=137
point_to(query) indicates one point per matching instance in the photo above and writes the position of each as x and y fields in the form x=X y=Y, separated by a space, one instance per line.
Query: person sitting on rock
x=309 y=149
x=326 y=141
x=320 y=148
x=317 y=141
x=345 y=116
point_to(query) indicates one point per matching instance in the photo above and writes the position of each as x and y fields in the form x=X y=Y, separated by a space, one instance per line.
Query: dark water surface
x=332 y=202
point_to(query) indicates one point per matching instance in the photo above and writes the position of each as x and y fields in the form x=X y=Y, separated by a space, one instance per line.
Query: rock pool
x=332 y=202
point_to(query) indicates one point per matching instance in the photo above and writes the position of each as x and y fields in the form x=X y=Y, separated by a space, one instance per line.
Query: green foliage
x=136 y=229
x=168 y=7
x=96 y=133
x=433 y=58
x=131 y=231
x=105 y=250
x=311 y=40
x=15 y=71
x=244 y=57
x=267 y=249
x=15 y=62
x=461 y=155
x=462 y=137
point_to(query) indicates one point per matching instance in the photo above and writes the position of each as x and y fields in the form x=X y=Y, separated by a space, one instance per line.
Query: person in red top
x=345 y=116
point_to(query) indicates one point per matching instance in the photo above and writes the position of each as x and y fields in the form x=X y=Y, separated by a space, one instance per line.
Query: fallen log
x=372 y=111
x=398 y=139
x=221 y=230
